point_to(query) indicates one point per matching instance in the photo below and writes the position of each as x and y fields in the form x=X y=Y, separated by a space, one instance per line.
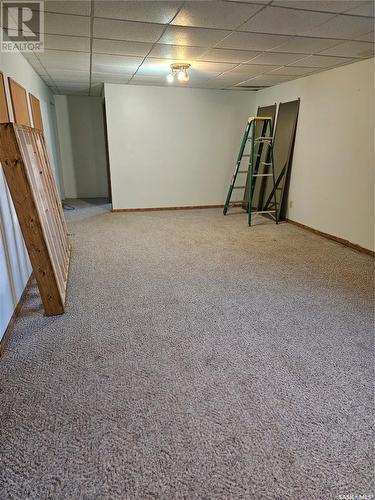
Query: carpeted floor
x=197 y=359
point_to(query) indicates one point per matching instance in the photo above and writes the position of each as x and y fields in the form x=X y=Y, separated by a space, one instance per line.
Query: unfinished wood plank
x=4 y=113
x=36 y=112
x=28 y=172
x=19 y=103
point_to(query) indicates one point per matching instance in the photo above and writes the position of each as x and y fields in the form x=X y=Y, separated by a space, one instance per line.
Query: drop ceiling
x=229 y=44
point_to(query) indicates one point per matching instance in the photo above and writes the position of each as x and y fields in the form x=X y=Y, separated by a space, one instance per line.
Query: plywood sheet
x=282 y=152
x=19 y=103
x=4 y=113
x=36 y=112
x=28 y=172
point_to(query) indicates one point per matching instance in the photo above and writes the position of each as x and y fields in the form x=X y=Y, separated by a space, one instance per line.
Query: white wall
x=332 y=181
x=173 y=146
x=82 y=146
x=15 y=267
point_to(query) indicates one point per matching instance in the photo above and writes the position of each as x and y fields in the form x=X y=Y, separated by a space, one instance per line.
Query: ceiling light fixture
x=179 y=71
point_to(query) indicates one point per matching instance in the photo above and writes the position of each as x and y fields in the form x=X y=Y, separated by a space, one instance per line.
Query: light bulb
x=181 y=75
x=170 y=78
x=186 y=76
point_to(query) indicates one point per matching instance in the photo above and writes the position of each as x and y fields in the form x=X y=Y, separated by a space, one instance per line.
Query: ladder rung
x=262 y=175
x=265 y=163
x=239 y=187
x=263 y=138
x=242 y=172
x=263 y=212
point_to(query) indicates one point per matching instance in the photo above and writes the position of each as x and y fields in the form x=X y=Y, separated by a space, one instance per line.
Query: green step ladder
x=255 y=166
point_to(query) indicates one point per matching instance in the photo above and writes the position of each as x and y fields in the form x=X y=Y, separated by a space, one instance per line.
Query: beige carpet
x=197 y=359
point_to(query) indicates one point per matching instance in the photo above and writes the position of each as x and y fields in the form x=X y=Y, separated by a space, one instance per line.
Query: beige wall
x=332 y=182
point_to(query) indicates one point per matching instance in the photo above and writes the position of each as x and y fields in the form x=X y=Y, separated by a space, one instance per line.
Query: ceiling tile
x=70 y=76
x=62 y=42
x=363 y=9
x=178 y=35
x=246 y=71
x=120 y=47
x=206 y=14
x=252 y=41
x=293 y=71
x=107 y=77
x=78 y=7
x=368 y=37
x=319 y=5
x=107 y=63
x=65 y=60
x=275 y=58
x=351 y=49
x=343 y=26
x=177 y=52
x=321 y=61
x=127 y=30
x=154 y=67
x=285 y=21
x=305 y=45
x=151 y=11
x=266 y=80
x=213 y=67
x=61 y=24
x=228 y=55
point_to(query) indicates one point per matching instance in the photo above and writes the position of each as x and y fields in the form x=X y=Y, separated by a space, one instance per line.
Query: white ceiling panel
x=154 y=67
x=65 y=60
x=152 y=11
x=368 y=37
x=252 y=41
x=246 y=71
x=126 y=30
x=61 y=24
x=322 y=61
x=70 y=76
x=266 y=80
x=207 y=14
x=351 y=49
x=275 y=58
x=336 y=6
x=120 y=47
x=77 y=7
x=305 y=45
x=98 y=77
x=212 y=67
x=107 y=63
x=293 y=71
x=363 y=9
x=179 y=35
x=62 y=42
x=343 y=26
x=285 y=21
x=177 y=52
x=227 y=55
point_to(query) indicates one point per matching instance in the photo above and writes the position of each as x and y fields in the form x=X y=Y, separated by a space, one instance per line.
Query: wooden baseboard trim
x=16 y=312
x=347 y=243
x=155 y=209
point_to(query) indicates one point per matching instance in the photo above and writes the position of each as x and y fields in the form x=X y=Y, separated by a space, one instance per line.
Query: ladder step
x=239 y=187
x=265 y=163
x=263 y=212
x=242 y=172
x=262 y=175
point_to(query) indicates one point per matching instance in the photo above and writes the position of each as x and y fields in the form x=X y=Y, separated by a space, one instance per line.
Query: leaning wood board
x=28 y=173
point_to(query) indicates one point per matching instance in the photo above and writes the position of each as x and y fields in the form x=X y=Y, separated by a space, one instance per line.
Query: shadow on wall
x=88 y=177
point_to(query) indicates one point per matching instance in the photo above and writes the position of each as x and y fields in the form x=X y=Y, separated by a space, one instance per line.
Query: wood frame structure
x=26 y=166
